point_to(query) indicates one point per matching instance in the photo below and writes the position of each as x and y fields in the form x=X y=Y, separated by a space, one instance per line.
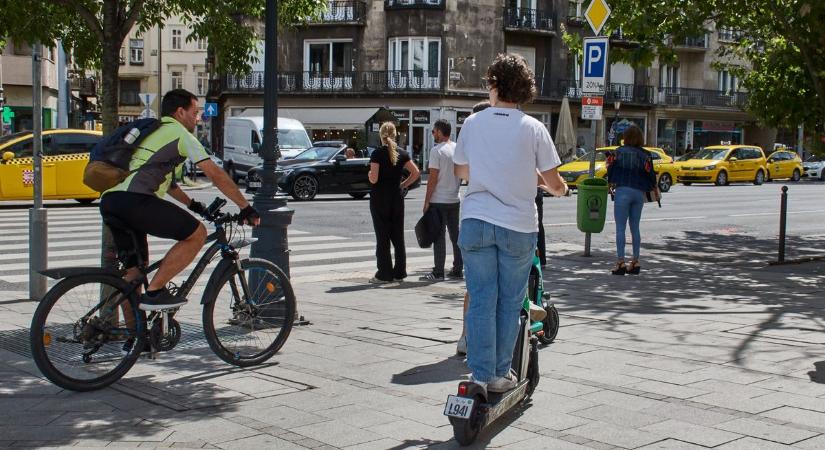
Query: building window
x=574 y=9
x=202 y=44
x=728 y=83
x=177 y=79
x=177 y=39
x=129 y=90
x=136 y=51
x=203 y=82
x=327 y=56
x=415 y=53
x=669 y=77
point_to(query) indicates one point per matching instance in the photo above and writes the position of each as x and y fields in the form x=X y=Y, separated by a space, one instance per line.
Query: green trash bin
x=591 y=205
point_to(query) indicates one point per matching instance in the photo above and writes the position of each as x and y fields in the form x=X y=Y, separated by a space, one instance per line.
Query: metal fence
x=403 y=4
x=529 y=19
x=343 y=12
x=338 y=82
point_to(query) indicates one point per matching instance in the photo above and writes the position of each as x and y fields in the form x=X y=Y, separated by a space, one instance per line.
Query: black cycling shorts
x=144 y=215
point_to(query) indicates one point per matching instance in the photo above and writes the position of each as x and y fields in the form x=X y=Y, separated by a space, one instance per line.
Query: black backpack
x=109 y=159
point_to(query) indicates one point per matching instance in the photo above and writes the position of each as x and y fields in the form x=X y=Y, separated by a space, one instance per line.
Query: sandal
x=620 y=269
x=635 y=268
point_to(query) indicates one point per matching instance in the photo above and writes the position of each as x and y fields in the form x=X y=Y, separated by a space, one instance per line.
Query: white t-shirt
x=503 y=148
x=441 y=158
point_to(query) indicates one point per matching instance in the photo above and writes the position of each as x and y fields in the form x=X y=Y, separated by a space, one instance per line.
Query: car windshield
x=317 y=153
x=292 y=138
x=600 y=156
x=715 y=154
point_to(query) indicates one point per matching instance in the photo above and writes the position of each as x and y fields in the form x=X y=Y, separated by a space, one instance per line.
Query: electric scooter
x=473 y=408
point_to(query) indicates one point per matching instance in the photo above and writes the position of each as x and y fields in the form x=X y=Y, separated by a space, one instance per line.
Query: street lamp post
x=271 y=235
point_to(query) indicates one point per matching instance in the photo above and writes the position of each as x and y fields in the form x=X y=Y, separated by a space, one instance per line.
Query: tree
x=777 y=48
x=94 y=30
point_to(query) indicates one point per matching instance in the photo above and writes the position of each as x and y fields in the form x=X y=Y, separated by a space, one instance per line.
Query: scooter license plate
x=255 y=184
x=460 y=407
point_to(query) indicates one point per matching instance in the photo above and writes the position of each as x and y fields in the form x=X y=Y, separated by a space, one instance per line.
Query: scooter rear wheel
x=466 y=430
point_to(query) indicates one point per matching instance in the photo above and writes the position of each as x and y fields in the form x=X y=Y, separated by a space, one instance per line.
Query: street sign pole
x=37 y=215
x=594 y=70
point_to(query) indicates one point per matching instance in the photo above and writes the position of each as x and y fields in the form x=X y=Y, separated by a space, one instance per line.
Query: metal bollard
x=783 y=219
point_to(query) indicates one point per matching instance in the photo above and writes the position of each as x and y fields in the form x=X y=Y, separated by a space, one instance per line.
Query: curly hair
x=510 y=75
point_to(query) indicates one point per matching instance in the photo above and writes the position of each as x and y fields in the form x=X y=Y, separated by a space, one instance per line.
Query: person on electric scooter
x=498 y=152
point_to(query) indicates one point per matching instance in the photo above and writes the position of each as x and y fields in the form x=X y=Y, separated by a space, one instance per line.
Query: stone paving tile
x=695 y=434
x=671 y=444
x=814 y=443
x=727 y=387
x=562 y=403
x=620 y=400
x=767 y=431
x=213 y=429
x=798 y=416
x=566 y=388
x=358 y=416
x=380 y=444
x=337 y=433
x=280 y=416
x=617 y=416
x=792 y=385
x=413 y=433
x=749 y=443
x=549 y=418
x=799 y=401
x=668 y=389
x=669 y=377
x=672 y=365
x=543 y=443
x=260 y=441
x=619 y=436
x=732 y=375
x=17 y=417
x=735 y=402
x=688 y=414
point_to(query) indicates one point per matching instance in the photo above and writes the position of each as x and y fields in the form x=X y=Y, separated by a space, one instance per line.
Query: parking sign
x=595 y=65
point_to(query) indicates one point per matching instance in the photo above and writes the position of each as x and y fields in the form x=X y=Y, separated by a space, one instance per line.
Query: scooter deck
x=499 y=403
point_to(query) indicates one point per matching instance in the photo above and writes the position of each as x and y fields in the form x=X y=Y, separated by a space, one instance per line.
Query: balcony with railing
x=687 y=97
x=344 y=12
x=529 y=20
x=621 y=92
x=699 y=43
x=414 y=4
x=85 y=87
x=730 y=34
x=355 y=82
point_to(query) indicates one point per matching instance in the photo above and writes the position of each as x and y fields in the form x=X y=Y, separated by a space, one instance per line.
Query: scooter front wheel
x=551 y=325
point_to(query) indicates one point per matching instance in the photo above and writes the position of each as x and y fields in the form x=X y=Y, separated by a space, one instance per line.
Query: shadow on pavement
x=449 y=369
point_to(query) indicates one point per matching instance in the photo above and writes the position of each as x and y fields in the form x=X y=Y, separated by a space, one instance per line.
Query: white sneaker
x=503 y=384
x=537 y=313
x=461 y=345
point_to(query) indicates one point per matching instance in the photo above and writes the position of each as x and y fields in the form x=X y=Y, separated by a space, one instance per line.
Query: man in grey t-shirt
x=442 y=196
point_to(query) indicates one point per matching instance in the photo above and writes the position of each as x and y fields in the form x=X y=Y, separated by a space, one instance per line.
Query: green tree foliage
x=94 y=30
x=778 y=52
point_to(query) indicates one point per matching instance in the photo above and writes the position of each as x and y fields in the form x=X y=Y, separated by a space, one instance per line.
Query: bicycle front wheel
x=248 y=313
x=84 y=334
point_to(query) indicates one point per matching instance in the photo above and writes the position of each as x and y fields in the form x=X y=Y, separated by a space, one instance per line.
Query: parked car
x=321 y=170
x=722 y=164
x=243 y=137
x=815 y=167
x=65 y=155
x=577 y=170
x=784 y=164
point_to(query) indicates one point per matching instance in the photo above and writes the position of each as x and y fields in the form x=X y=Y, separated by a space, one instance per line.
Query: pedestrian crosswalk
x=74 y=240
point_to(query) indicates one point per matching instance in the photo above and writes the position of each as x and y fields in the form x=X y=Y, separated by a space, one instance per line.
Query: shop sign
x=461 y=116
x=400 y=114
x=717 y=126
x=421 y=117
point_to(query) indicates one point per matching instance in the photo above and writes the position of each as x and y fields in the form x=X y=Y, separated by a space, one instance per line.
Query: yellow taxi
x=65 y=154
x=785 y=164
x=722 y=164
x=575 y=171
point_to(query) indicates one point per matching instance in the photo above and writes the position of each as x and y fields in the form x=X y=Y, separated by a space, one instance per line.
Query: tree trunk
x=110 y=69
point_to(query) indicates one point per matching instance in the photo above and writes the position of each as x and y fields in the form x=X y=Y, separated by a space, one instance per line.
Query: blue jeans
x=628 y=205
x=496 y=266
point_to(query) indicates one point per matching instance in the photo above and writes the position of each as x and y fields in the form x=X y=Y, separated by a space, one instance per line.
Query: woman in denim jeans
x=499 y=152
x=631 y=175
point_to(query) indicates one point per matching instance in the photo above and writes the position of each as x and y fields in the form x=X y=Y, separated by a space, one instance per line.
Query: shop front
x=678 y=136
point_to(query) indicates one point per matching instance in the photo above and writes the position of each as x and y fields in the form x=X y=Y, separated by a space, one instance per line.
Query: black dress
x=387 y=210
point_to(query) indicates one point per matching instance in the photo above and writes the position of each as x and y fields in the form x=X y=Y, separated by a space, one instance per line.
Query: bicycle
x=102 y=332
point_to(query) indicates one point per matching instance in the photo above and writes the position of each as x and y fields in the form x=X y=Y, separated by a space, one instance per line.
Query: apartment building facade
x=422 y=60
x=16 y=83
x=157 y=61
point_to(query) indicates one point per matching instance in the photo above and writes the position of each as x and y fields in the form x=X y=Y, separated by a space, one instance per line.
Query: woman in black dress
x=387 y=164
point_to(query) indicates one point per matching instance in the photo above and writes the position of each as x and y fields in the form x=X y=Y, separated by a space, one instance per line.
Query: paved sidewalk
x=706 y=348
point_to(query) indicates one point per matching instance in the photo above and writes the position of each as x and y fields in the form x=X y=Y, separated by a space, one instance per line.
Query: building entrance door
x=419 y=145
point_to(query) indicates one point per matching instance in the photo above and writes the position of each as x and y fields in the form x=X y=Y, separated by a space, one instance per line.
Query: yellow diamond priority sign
x=597 y=14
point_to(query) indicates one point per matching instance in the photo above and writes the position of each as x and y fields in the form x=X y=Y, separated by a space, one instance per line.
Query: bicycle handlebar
x=213 y=213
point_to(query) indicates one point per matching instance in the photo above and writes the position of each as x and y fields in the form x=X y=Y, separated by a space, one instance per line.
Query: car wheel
x=85 y=201
x=722 y=178
x=760 y=177
x=665 y=182
x=305 y=187
x=796 y=175
x=822 y=175
x=358 y=195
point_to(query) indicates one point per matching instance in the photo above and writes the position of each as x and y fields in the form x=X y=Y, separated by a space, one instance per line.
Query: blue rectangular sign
x=210 y=110
x=594 y=65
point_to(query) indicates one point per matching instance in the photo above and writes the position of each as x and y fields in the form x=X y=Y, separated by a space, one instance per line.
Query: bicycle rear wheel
x=80 y=345
x=248 y=313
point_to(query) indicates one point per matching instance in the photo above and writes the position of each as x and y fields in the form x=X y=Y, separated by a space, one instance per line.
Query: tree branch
x=87 y=15
x=131 y=17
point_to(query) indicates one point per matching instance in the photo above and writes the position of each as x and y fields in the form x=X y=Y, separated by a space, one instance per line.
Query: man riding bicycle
x=138 y=200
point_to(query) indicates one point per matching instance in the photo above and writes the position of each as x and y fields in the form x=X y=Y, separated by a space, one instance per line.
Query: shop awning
x=335 y=118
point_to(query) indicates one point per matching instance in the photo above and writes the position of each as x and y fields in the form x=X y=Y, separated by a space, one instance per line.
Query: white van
x=242 y=138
